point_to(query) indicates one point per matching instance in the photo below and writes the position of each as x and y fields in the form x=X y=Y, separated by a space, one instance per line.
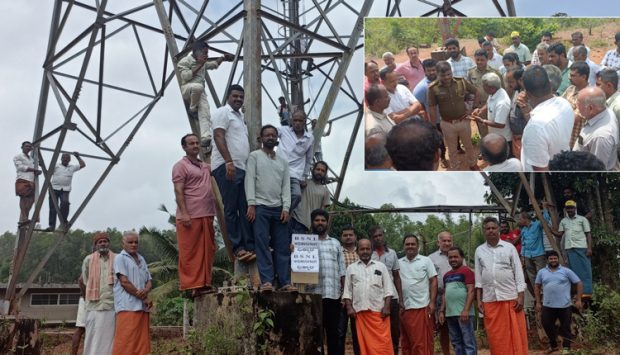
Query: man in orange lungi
x=368 y=291
x=418 y=278
x=132 y=285
x=500 y=287
x=194 y=219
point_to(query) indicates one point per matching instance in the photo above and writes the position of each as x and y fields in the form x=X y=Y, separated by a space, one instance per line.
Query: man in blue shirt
x=532 y=245
x=420 y=93
x=555 y=282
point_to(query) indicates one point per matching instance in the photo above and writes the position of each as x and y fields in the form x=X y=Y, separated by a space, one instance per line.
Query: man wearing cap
x=519 y=48
x=98 y=276
x=192 y=72
x=575 y=230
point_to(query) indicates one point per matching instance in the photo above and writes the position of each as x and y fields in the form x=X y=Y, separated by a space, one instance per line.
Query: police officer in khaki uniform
x=474 y=75
x=449 y=94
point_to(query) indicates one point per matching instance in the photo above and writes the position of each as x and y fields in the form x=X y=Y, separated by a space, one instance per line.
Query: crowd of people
x=268 y=194
x=399 y=304
x=553 y=109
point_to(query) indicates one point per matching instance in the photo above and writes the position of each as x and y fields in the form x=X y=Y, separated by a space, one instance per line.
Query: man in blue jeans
x=456 y=306
x=532 y=246
x=267 y=188
x=228 y=160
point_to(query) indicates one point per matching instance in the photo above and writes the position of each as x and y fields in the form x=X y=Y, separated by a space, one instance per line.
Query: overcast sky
x=129 y=198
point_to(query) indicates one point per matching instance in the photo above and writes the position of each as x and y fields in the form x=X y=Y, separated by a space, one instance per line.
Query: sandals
x=288 y=288
x=245 y=256
x=205 y=290
x=266 y=287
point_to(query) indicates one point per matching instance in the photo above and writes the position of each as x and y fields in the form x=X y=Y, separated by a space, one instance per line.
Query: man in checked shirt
x=331 y=279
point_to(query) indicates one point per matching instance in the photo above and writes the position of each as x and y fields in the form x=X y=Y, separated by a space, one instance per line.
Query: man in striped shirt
x=349 y=254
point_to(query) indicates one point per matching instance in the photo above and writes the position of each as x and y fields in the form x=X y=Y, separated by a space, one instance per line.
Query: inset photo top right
x=492 y=94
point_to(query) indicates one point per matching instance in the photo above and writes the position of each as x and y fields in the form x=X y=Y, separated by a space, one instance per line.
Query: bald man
x=376 y=156
x=378 y=100
x=599 y=134
x=371 y=72
x=495 y=151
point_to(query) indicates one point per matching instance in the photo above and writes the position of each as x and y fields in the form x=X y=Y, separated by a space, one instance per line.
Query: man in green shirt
x=577 y=240
x=557 y=56
x=268 y=192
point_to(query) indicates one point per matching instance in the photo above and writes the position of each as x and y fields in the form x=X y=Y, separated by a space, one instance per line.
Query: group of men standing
x=267 y=194
x=525 y=113
x=116 y=303
x=61 y=181
x=435 y=293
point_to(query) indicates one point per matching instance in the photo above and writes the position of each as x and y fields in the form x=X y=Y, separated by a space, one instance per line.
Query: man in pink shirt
x=194 y=219
x=411 y=70
x=371 y=72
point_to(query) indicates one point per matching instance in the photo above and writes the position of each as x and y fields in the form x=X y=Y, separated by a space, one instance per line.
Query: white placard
x=306 y=241
x=305 y=260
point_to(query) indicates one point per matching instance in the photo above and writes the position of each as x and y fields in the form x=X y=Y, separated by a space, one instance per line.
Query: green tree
x=598 y=190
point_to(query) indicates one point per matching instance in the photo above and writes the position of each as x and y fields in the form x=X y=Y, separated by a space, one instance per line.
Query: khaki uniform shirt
x=450 y=99
x=475 y=77
x=185 y=66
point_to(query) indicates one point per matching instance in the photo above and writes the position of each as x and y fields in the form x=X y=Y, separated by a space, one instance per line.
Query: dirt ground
x=606 y=32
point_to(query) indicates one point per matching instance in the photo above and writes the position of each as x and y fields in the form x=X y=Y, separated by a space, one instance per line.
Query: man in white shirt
x=228 y=163
x=61 y=184
x=368 y=291
x=24 y=181
x=545 y=39
x=495 y=60
x=611 y=59
x=599 y=135
x=498 y=107
x=551 y=121
x=442 y=265
x=296 y=144
x=495 y=150
x=403 y=105
x=418 y=278
x=577 y=40
x=581 y=55
x=500 y=287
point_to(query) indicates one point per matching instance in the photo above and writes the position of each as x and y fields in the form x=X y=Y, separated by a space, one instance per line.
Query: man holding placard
x=331 y=279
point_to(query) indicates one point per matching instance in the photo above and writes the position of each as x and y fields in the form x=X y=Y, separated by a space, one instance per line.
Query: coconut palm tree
x=165 y=270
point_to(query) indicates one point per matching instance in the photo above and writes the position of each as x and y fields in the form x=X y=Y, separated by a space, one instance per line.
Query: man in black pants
x=555 y=282
x=331 y=279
